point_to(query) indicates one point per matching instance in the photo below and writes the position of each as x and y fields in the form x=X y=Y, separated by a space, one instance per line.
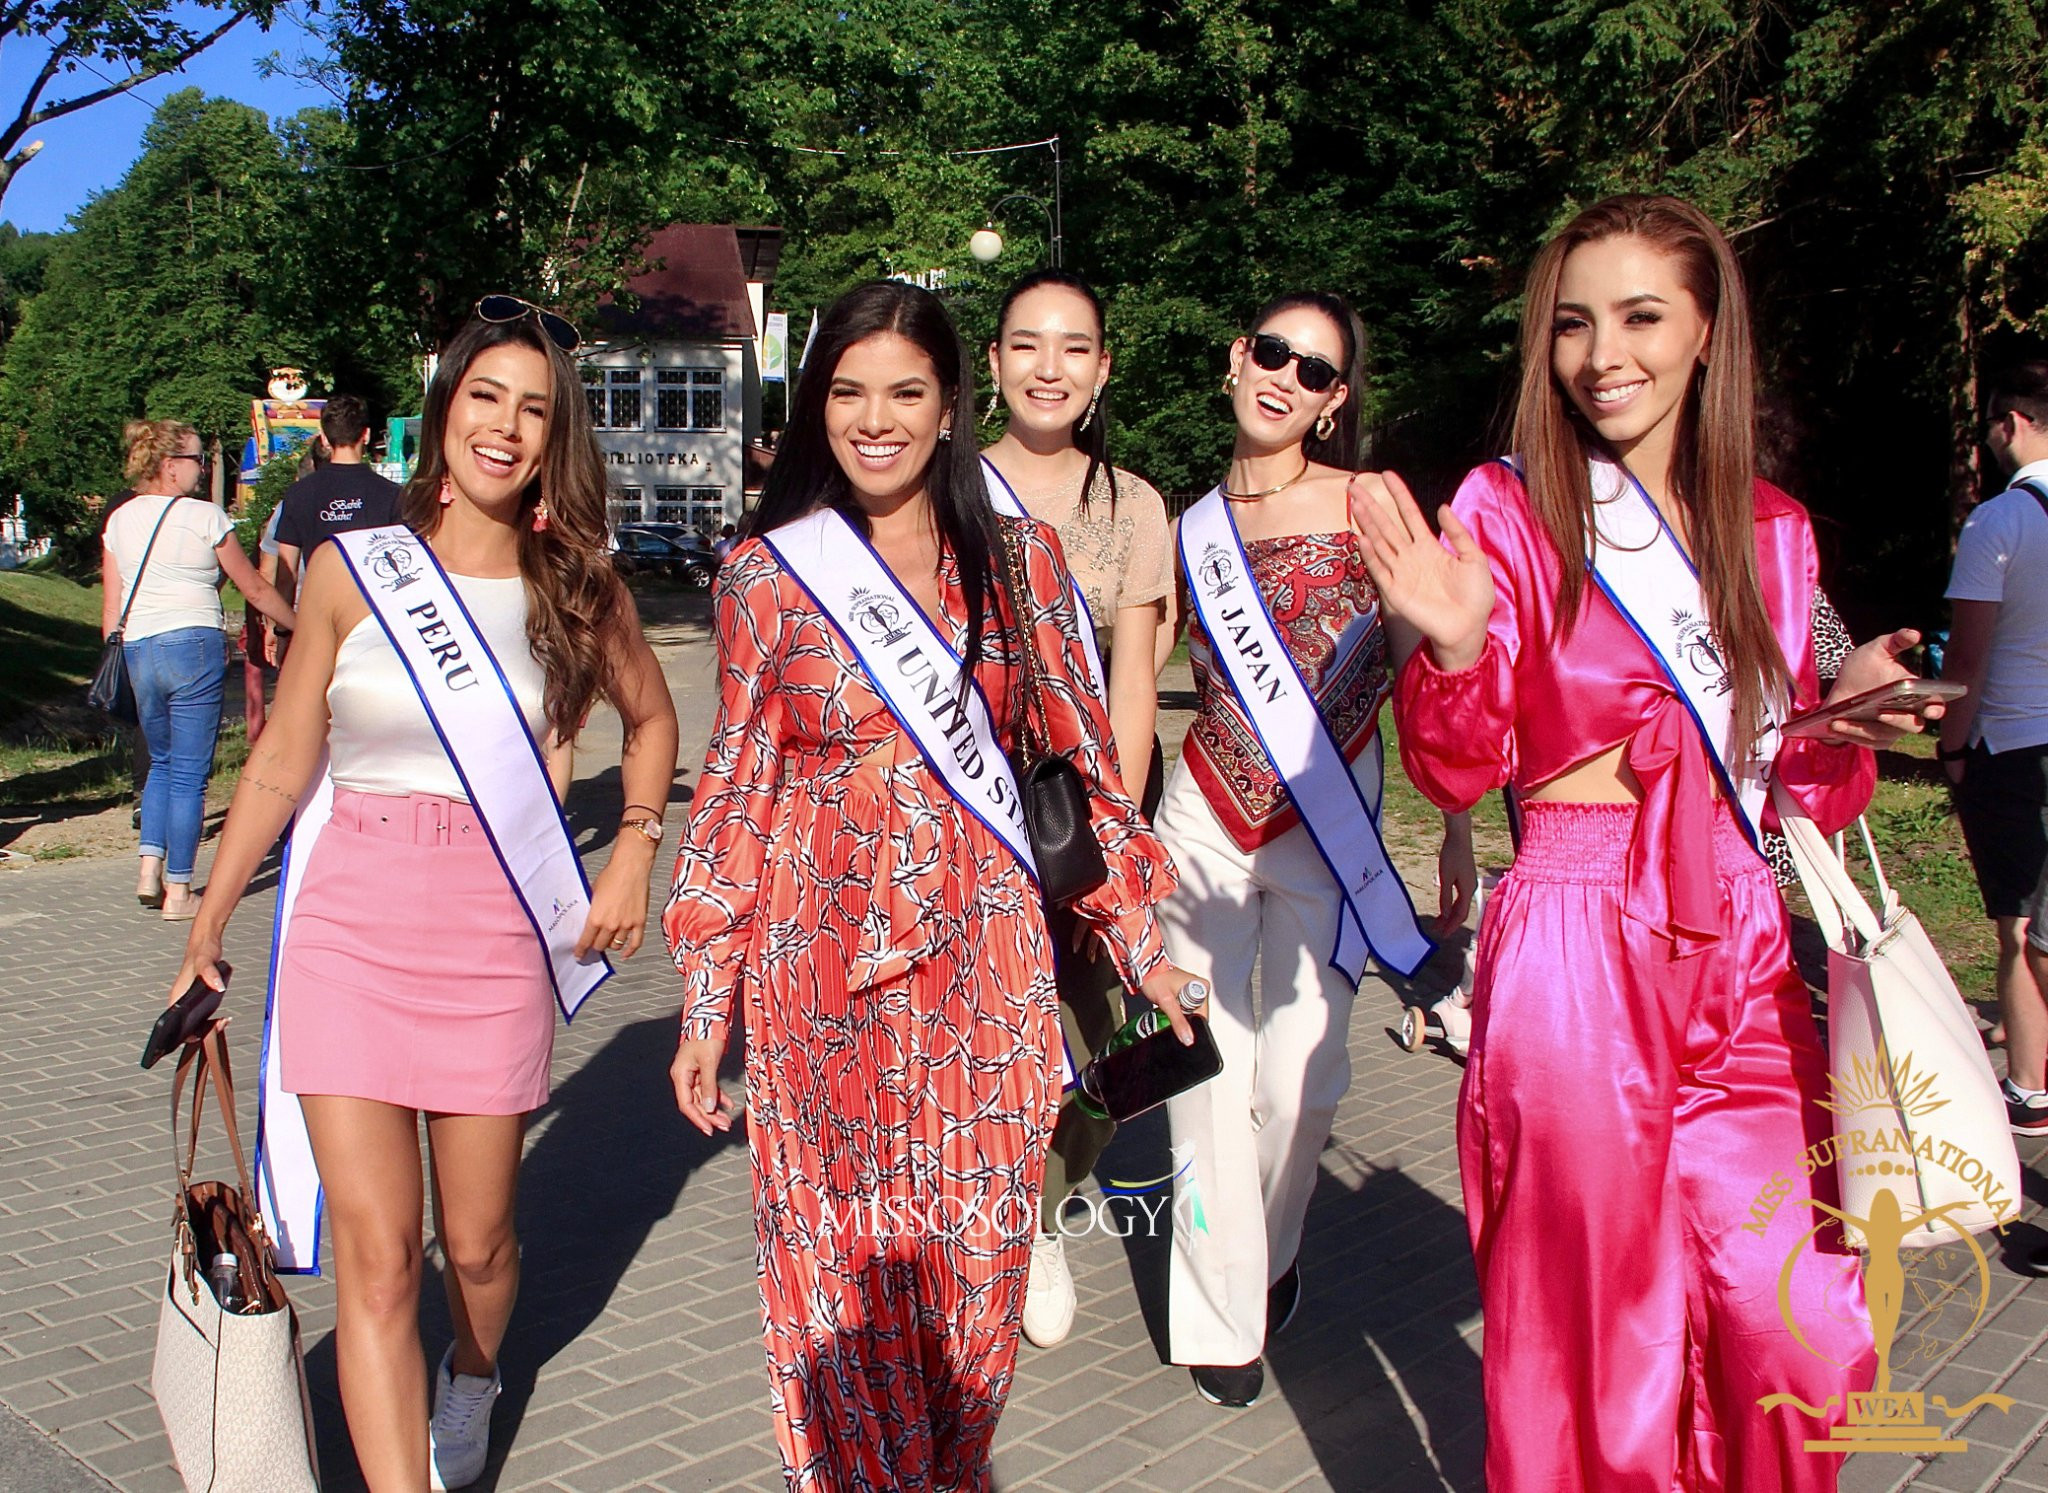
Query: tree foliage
x=1880 y=166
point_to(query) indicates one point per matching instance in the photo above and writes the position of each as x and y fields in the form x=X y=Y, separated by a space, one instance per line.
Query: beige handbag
x=230 y=1385
x=1915 y=1106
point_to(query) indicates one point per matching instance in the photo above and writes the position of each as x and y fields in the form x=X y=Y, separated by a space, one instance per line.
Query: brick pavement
x=634 y=1360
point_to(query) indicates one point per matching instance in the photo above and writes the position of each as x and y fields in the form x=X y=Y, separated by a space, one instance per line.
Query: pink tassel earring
x=447 y=491
x=540 y=516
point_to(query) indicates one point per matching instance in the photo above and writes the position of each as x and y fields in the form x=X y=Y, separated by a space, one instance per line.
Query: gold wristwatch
x=647 y=825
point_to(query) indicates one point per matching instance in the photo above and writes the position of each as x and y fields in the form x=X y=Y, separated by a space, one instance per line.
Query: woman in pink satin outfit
x=1644 y=1059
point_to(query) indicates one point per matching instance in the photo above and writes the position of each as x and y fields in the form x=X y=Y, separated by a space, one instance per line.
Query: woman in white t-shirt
x=172 y=641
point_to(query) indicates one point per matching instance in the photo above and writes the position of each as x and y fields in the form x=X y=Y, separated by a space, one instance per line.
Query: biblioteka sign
x=657 y=458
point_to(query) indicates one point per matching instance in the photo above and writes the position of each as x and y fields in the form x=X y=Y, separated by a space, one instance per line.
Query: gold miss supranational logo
x=1886 y=1095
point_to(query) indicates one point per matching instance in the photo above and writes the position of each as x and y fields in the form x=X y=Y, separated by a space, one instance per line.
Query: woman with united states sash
x=432 y=914
x=1271 y=817
x=856 y=876
x=1612 y=623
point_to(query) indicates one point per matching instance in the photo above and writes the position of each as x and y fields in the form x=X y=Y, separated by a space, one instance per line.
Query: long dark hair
x=1095 y=439
x=1713 y=467
x=1340 y=448
x=575 y=600
x=806 y=474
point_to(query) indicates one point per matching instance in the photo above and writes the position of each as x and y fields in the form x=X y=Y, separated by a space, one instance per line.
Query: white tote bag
x=1917 y=1109
x=231 y=1386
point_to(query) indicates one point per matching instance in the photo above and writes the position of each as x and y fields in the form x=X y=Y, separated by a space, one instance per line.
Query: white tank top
x=379 y=739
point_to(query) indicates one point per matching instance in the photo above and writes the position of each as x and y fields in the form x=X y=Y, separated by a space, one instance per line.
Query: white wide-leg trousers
x=1246 y=1143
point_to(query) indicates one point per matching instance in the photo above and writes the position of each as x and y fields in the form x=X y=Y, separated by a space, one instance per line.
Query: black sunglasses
x=504 y=308
x=1272 y=354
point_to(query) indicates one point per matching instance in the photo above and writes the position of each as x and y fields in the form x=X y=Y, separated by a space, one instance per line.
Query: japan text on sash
x=1251 y=657
x=474 y=712
x=1637 y=563
x=915 y=671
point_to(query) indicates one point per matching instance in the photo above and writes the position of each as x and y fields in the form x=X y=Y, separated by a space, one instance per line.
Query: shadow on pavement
x=1375 y=1367
x=610 y=1165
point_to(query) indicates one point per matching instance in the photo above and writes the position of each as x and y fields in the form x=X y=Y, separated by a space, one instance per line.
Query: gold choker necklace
x=1253 y=497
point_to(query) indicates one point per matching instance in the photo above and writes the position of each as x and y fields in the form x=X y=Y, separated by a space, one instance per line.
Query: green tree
x=136 y=42
x=157 y=305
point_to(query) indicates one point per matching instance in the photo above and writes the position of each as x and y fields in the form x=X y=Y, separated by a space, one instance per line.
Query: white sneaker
x=459 y=1436
x=1048 y=1292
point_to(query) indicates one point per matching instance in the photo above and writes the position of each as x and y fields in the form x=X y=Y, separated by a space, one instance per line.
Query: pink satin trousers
x=1621 y=1113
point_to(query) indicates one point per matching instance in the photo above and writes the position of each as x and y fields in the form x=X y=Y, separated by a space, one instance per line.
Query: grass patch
x=49 y=638
x=56 y=775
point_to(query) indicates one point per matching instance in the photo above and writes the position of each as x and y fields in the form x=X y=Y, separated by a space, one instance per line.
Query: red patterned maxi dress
x=890 y=956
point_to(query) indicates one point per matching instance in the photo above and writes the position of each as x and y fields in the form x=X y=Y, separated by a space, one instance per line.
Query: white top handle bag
x=1917 y=1108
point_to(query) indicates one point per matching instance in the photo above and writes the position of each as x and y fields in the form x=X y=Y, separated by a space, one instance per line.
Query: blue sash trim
x=1330 y=744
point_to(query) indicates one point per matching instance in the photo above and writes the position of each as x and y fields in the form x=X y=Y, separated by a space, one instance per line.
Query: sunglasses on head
x=1272 y=354
x=504 y=308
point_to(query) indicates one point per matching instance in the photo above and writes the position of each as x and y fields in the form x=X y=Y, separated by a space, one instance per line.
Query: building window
x=623 y=507
x=689 y=399
x=699 y=509
x=614 y=395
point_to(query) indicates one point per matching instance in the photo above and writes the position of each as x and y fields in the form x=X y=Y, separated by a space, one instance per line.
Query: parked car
x=642 y=549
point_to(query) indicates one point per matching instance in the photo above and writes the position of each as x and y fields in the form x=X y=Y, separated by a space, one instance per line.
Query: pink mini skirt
x=410 y=973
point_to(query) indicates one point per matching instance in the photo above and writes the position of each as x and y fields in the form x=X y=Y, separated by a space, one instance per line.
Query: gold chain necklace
x=1253 y=497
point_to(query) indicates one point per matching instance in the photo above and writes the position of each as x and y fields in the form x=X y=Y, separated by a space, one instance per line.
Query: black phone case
x=185 y=1018
x=1148 y=1073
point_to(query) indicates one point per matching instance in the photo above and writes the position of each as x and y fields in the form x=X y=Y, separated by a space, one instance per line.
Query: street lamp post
x=987 y=244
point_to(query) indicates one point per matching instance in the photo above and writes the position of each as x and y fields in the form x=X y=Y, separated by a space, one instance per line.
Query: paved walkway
x=635 y=1361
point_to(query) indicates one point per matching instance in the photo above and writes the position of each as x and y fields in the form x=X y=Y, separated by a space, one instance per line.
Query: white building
x=673 y=374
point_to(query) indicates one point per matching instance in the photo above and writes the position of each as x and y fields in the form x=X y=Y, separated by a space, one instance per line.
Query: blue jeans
x=179 y=678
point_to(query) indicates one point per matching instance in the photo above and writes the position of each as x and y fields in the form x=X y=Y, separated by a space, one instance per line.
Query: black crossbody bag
x=110 y=690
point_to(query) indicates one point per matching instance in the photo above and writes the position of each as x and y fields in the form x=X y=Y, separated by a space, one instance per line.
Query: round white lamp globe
x=986 y=245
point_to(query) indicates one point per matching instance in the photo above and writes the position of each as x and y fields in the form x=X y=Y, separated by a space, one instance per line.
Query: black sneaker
x=1283 y=1298
x=1236 y=1388
x=2027 y=1116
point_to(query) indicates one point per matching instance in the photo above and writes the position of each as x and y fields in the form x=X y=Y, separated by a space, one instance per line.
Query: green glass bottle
x=1147 y=1023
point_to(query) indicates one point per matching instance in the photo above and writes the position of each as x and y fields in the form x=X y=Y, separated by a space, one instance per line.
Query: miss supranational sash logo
x=1885 y=1091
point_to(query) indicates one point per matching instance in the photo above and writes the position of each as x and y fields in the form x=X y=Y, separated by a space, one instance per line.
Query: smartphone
x=1902 y=697
x=186 y=1017
x=1148 y=1073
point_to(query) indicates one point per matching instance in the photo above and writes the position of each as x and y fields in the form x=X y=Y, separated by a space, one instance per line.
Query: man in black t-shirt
x=341 y=496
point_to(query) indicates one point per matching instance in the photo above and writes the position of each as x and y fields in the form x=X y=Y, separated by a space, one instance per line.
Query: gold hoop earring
x=1089 y=413
x=1326 y=425
x=1229 y=383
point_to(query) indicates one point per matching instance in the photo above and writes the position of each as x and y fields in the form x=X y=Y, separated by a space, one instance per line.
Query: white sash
x=1252 y=659
x=1637 y=563
x=917 y=674
x=474 y=712
x=1005 y=499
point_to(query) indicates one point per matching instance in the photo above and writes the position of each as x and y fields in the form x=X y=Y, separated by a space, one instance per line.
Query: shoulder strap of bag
x=206 y=1060
x=135 y=586
x=1034 y=730
x=1837 y=902
x=2040 y=493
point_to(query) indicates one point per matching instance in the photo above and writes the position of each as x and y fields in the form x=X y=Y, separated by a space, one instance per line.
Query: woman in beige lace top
x=1049 y=363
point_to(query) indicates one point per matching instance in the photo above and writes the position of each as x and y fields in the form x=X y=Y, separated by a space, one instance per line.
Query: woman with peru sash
x=1643 y=1053
x=856 y=877
x=1271 y=818
x=1050 y=364
x=432 y=913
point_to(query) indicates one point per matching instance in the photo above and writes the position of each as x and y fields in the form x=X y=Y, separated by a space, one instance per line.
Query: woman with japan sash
x=1271 y=818
x=1612 y=622
x=432 y=913
x=1050 y=365
x=857 y=878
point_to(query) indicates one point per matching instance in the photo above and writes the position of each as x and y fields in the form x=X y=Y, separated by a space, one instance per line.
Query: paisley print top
x=819 y=839
x=1327 y=611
